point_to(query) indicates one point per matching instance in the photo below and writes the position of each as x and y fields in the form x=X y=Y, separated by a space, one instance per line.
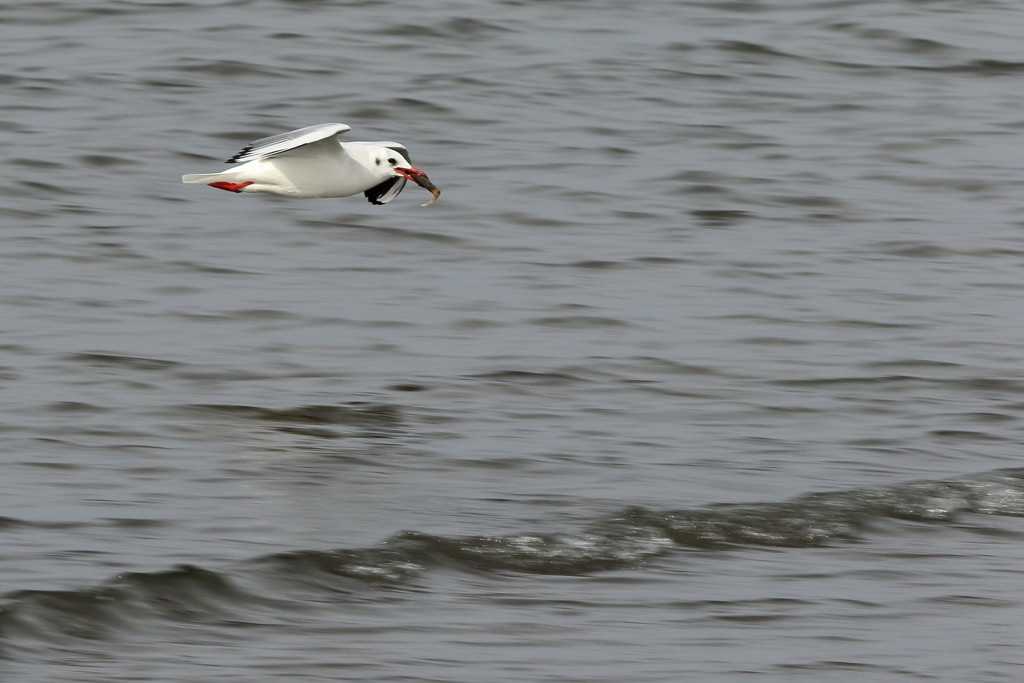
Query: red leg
x=230 y=187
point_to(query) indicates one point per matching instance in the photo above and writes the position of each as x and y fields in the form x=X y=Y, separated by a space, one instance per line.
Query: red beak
x=410 y=173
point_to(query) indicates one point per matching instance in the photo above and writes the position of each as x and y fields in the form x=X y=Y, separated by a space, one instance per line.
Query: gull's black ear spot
x=377 y=161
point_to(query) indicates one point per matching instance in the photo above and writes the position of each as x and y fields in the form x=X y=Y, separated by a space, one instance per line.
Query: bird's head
x=401 y=167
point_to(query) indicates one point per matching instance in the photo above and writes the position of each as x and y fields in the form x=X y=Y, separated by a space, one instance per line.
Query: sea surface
x=708 y=364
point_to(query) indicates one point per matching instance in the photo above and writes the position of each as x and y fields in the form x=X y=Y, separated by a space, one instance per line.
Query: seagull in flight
x=313 y=162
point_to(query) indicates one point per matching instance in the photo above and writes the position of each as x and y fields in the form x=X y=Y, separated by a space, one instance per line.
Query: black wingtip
x=234 y=159
x=374 y=194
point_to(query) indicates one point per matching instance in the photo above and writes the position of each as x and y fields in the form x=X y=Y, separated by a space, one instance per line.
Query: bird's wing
x=384 y=192
x=286 y=142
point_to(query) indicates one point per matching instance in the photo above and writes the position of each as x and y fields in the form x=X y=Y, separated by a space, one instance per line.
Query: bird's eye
x=392 y=161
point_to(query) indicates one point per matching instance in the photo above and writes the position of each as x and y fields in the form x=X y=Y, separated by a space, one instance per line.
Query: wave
x=627 y=538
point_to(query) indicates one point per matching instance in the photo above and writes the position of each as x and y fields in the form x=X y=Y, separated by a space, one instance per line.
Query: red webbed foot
x=230 y=187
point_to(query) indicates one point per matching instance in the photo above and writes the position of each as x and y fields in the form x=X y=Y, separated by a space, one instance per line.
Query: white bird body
x=312 y=162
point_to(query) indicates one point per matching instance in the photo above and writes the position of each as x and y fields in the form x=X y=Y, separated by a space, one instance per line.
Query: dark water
x=707 y=366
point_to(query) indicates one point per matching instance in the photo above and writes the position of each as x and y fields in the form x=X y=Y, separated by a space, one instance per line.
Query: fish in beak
x=421 y=179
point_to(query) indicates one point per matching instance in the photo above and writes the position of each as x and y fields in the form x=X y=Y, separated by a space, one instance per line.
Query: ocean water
x=708 y=365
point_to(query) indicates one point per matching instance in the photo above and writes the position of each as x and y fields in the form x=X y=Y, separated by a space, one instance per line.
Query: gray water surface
x=707 y=365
